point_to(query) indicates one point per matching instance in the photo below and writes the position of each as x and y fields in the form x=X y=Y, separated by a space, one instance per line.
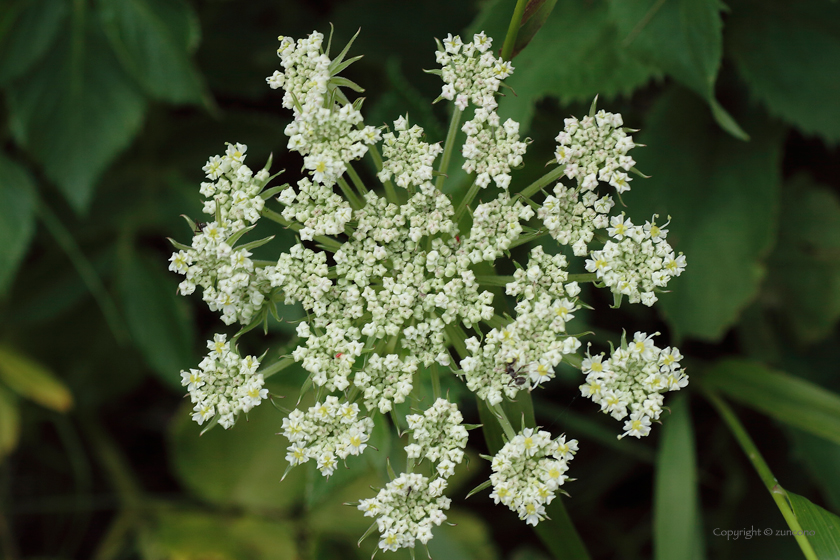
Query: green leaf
x=822 y=460
x=723 y=197
x=535 y=16
x=783 y=51
x=75 y=111
x=157 y=318
x=471 y=539
x=822 y=527
x=576 y=56
x=31 y=29
x=683 y=38
x=30 y=379
x=241 y=466
x=804 y=273
x=17 y=218
x=9 y=422
x=676 y=508
x=784 y=397
x=153 y=40
x=193 y=535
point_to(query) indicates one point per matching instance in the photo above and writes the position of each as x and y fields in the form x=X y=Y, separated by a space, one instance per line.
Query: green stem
x=497 y=322
x=535 y=187
x=349 y=194
x=500 y=415
x=764 y=472
x=456 y=337
x=494 y=280
x=435 y=381
x=390 y=193
x=448 y=146
x=465 y=202
x=276 y=367
x=357 y=181
x=513 y=29
x=329 y=243
x=527 y=238
x=585 y=277
x=86 y=271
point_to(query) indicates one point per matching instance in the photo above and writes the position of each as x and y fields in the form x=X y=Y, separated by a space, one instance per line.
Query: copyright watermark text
x=735 y=534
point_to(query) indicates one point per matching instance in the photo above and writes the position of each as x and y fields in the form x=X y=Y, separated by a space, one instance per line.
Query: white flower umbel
x=439 y=436
x=572 y=215
x=545 y=274
x=631 y=382
x=386 y=380
x=235 y=190
x=317 y=207
x=496 y=225
x=524 y=353
x=328 y=136
x=224 y=385
x=491 y=150
x=327 y=432
x=406 y=157
x=406 y=510
x=470 y=71
x=636 y=260
x=528 y=471
x=595 y=149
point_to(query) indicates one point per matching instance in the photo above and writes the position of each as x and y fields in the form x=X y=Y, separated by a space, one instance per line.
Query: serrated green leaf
x=153 y=40
x=783 y=51
x=157 y=318
x=822 y=527
x=722 y=195
x=676 y=509
x=683 y=38
x=31 y=29
x=804 y=269
x=237 y=467
x=576 y=56
x=784 y=397
x=33 y=381
x=75 y=111
x=17 y=218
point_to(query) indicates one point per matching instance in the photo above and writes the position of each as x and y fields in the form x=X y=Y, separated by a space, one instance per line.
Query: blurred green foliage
x=111 y=107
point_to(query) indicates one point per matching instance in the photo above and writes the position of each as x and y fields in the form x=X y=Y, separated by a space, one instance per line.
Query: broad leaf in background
x=241 y=466
x=17 y=218
x=683 y=38
x=158 y=319
x=822 y=459
x=30 y=28
x=154 y=40
x=804 y=271
x=786 y=52
x=192 y=535
x=677 y=521
x=75 y=111
x=575 y=56
x=33 y=381
x=824 y=525
x=723 y=197
x=784 y=397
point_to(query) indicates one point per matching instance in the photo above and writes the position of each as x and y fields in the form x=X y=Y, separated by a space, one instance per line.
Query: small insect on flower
x=515 y=373
x=199 y=227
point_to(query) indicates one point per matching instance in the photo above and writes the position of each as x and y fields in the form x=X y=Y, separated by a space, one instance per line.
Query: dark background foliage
x=111 y=107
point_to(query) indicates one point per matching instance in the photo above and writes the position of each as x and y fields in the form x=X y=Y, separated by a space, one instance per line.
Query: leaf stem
x=448 y=146
x=357 y=181
x=500 y=415
x=494 y=280
x=535 y=187
x=390 y=193
x=748 y=446
x=513 y=29
x=349 y=194
x=465 y=202
x=435 y=381
x=85 y=269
